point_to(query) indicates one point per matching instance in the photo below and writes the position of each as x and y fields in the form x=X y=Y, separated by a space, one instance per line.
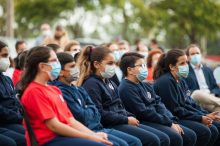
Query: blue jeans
x=12 y=135
x=121 y=139
x=69 y=141
x=148 y=135
x=187 y=139
x=205 y=136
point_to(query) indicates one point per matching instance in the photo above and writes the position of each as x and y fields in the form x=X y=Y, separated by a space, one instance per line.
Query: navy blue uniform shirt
x=176 y=96
x=105 y=95
x=141 y=100
x=10 y=108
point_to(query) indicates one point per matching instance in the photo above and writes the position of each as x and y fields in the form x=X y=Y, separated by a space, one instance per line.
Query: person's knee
x=6 y=141
x=153 y=140
x=197 y=95
x=190 y=138
x=135 y=142
x=117 y=144
x=205 y=133
x=165 y=140
x=214 y=132
x=21 y=142
x=176 y=139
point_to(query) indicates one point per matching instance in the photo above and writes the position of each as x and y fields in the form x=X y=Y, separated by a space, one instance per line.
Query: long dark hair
x=171 y=57
x=34 y=57
x=87 y=58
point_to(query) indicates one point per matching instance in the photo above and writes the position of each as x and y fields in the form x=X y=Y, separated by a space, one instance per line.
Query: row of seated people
x=135 y=113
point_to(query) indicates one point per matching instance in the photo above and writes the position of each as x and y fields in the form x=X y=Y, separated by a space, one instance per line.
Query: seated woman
x=81 y=105
x=170 y=86
x=140 y=99
x=51 y=120
x=97 y=65
x=11 y=129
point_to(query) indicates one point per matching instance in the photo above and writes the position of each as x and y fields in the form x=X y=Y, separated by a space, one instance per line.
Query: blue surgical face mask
x=196 y=59
x=143 y=73
x=183 y=71
x=55 y=71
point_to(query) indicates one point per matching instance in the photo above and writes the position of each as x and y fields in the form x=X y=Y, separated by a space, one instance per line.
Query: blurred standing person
x=60 y=37
x=45 y=32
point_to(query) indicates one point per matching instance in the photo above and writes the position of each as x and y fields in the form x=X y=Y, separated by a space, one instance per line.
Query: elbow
x=52 y=127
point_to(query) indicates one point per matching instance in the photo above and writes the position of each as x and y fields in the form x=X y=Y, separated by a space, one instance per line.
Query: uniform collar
x=194 y=67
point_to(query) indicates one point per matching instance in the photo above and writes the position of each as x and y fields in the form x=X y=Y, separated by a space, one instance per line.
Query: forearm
x=79 y=126
x=65 y=130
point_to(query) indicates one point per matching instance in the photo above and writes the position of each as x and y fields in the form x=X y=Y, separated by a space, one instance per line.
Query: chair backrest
x=31 y=134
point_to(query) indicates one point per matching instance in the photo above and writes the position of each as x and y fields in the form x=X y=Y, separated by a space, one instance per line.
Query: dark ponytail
x=35 y=56
x=166 y=59
x=160 y=67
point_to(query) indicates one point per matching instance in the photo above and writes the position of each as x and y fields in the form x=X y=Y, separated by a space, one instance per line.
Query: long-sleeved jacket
x=105 y=96
x=176 y=96
x=192 y=81
x=10 y=108
x=81 y=105
x=141 y=100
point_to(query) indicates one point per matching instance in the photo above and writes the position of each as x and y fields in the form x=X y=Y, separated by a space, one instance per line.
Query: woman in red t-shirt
x=152 y=62
x=51 y=121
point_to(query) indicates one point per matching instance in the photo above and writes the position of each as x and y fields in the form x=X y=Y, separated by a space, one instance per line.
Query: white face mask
x=46 y=33
x=109 y=71
x=4 y=64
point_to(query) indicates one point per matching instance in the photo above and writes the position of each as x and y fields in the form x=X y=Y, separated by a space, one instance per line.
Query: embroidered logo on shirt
x=188 y=92
x=111 y=87
x=149 y=95
x=79 y=101
x=61 y=98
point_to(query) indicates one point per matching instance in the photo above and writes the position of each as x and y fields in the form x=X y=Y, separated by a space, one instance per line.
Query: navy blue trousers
x=12 y=135
x=148 y=135
x=205 y=136
x=69 y=141
x=119 y=138
x=187 y=139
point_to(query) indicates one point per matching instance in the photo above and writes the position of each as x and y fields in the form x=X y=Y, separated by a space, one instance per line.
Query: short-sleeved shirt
x=44 y=102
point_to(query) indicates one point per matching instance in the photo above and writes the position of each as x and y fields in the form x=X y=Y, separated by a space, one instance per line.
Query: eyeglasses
x=141 y=65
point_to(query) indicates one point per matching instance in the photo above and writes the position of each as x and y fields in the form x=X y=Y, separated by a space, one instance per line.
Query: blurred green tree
x=29 y=14
x=188 y=21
